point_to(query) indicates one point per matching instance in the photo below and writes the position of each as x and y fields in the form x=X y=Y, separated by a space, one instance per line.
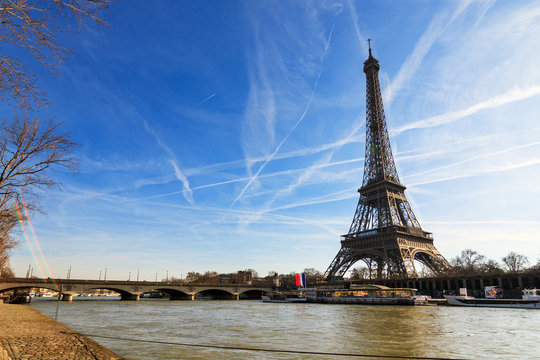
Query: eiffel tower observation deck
x=384 y=233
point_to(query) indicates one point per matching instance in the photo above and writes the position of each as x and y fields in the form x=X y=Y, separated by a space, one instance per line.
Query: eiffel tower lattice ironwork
x=384 y=233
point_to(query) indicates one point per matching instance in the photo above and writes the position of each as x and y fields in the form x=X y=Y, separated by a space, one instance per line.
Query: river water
x=378 y=331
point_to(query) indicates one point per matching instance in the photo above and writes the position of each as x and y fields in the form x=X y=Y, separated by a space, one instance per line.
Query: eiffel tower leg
x=396 y=268
x=408 y=262
x=384 y=266
x=347 y=257
x=339 y=265
x=380 y=268
x=369 y=267
x=434 y=261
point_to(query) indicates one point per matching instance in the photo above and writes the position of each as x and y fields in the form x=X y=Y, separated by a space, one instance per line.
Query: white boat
x=530 y=300
x=531 y=294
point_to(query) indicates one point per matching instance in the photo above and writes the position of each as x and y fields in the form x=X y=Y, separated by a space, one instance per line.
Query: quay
x=26 y=333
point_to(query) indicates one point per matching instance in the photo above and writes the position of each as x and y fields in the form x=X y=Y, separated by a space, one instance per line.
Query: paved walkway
x=26 y=333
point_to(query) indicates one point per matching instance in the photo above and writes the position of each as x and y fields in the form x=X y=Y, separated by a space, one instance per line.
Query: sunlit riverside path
x=26 y=333
x=131 y=290
x=157 y=329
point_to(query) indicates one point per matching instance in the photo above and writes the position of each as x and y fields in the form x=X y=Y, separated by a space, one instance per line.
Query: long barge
x=370 y=294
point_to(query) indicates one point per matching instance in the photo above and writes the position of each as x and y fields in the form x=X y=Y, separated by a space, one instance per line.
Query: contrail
x=511 y=95
x=186 y=190
x=205 y=100
x=292 y=129
x=435 y=29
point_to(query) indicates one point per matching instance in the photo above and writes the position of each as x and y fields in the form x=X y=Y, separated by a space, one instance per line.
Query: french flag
x=301 y=279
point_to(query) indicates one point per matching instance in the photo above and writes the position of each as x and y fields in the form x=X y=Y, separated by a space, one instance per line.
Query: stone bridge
x=132 y=290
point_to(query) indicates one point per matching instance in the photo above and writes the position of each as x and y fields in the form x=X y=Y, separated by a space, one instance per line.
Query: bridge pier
x=129 y=297
x=67 y=297
x=236 y=296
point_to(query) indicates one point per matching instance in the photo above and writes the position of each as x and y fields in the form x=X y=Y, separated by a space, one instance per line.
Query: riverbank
x=26 y=333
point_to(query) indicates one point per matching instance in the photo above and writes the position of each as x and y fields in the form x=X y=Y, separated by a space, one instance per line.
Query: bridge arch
x=9 y=287
x=175 y=294
x=124 y=294
x=252 y=294
x=215 y=294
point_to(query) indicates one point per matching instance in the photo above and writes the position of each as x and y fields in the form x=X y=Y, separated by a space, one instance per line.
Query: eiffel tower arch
x=384 y=233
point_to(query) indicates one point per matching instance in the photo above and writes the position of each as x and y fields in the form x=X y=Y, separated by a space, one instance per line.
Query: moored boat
x=531 y=294
x=370 y=294
x=291 y=297
x=19 y=297
x=530 y=300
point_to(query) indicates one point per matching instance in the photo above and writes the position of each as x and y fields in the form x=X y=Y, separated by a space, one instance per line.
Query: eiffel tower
x=384 y=233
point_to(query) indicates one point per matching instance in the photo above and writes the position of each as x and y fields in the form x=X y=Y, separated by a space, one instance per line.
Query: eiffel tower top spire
x=379 y=163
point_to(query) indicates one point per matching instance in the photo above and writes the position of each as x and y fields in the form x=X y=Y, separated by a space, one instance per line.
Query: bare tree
x=193 y=277
x=515 y=262
x=491 y=266
x=254 y=274
x=272 y=273
x=33 y=27
x=469 y=261
x=29 y=149
x=27 y=152
x=313 y=276
x=360 y=273
x=8 y=221
x=535 y=267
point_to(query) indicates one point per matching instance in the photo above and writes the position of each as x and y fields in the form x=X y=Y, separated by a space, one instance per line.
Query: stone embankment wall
x=26 y=333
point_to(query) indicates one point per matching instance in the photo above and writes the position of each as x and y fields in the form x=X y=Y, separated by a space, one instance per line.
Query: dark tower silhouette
x=384 y=232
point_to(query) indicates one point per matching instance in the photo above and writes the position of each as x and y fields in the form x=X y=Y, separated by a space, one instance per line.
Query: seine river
x=378 y=331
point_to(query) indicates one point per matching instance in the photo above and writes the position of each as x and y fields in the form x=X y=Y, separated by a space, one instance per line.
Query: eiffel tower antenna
x=384 y=233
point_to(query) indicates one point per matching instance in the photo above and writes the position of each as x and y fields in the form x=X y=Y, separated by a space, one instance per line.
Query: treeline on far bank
x=468 y=263
x=246 y=277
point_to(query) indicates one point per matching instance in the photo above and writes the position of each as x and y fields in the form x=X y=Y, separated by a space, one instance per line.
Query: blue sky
x=221 y=135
